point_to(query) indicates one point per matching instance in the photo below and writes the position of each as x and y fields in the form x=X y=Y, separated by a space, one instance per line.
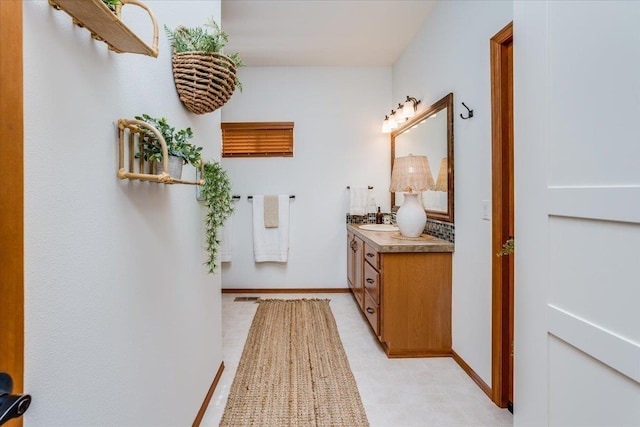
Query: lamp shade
x=409 y=109
x=386 y=128
x=411 y=174
x=392 y=123
x=394 y=120
x=441 y=182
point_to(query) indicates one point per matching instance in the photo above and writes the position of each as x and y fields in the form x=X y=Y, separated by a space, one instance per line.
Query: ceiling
x=321 y=32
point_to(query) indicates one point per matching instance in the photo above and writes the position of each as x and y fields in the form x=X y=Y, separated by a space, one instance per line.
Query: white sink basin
x=378 y=227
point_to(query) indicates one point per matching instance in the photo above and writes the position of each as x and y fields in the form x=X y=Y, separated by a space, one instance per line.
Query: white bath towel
x=359 y=199
x=225 y=241
x=270 y=244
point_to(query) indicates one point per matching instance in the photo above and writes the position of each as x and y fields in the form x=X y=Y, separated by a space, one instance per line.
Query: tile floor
x=395 y=392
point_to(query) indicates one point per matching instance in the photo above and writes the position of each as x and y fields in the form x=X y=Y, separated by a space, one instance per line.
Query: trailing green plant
x=111 y=4
x=508 y=247
x=199 y=39
x=178 y=144
x=216 y=193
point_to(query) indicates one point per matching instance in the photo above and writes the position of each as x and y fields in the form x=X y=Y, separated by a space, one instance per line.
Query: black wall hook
x=470 y=113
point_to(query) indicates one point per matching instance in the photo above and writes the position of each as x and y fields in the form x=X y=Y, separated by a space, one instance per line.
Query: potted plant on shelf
x=216 y=193
x=180 y=150
x=204 y=76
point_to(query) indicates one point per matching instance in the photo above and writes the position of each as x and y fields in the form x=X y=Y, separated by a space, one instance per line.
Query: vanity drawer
x=371 y=255
x=372 y=312
x=372 y=282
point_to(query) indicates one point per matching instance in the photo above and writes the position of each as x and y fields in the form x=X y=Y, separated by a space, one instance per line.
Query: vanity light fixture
x=411 y=175
x=397 y=117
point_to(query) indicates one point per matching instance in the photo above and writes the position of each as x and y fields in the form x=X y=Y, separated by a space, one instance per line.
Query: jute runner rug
x=293 y=371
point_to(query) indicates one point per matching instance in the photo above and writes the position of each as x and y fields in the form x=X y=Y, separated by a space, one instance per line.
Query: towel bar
x=369 y=187
x=251 y=197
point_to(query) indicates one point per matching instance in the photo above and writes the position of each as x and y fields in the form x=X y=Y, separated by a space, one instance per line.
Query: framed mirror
x=429 y=133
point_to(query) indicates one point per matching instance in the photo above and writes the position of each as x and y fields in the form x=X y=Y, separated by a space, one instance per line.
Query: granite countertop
x=384 y=242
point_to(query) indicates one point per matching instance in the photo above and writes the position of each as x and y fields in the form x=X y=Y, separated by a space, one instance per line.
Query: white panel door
x=577 y=167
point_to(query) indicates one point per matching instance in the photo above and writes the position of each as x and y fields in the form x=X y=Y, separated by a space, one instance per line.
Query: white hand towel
x=270 y=244
x=271 y=211
x=359 y=198
x=225 y=241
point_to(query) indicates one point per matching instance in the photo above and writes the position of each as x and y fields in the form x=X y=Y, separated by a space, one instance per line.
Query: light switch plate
x=486 y=210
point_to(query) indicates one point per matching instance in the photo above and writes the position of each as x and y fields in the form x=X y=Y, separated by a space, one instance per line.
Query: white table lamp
x=411 y=175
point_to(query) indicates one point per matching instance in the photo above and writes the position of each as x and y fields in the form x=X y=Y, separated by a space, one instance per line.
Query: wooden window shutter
x=257 y=139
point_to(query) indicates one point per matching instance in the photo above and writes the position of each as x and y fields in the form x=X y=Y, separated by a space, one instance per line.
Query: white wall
x=576 y=92
x=337 y=142
x=451 y=54
x=122 y=321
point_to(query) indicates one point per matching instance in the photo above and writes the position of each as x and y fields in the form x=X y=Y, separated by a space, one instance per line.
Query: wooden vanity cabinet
x=405 y=296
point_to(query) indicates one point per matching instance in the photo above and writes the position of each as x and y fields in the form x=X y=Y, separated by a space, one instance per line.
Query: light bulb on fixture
x=386 y=128
x=393 y=120
x=400 y=113
x=407 y=111
x=410 y=106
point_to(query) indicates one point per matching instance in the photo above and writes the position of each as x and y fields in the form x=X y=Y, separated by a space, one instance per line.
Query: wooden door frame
x=12 y=196
x=502 y=220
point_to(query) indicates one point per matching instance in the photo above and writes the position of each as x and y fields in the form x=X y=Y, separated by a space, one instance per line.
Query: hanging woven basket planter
x=204 y=80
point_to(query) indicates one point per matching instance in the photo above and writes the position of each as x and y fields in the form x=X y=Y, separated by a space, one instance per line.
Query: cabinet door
x=350 y=260
x=355 y=249
x=415 y=303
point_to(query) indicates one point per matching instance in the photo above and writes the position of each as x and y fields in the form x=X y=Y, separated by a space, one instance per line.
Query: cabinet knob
x=370 y=310
x=370 y=255
x=370 y=280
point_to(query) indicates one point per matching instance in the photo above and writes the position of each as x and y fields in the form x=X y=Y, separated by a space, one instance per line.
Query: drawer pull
x=370 y=310
x=370 y=280
x=370 y=255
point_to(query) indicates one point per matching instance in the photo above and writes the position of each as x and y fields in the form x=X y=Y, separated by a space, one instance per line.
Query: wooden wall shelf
x=106 y=26
x=129 y=130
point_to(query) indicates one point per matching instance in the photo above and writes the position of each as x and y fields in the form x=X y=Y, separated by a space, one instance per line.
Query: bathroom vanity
x=403 y=288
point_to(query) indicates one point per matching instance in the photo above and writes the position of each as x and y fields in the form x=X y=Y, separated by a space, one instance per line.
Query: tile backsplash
x=439 y=229
x=362 y=219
